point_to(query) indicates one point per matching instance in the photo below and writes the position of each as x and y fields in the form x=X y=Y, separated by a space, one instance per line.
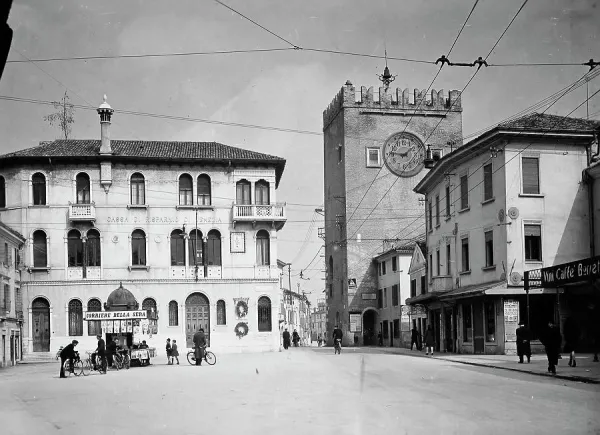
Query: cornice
x=117 y=282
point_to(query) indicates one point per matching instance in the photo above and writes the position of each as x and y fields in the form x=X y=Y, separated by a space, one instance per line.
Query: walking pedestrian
x=174 y=352
x=286 y=339
x=414 y=338
x=168 y=349
x=551 y=339
x=523 y=343
x=572 y=333
x=429 y=340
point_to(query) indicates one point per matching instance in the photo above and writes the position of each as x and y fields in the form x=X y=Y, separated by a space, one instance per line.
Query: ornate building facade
x=189 y=228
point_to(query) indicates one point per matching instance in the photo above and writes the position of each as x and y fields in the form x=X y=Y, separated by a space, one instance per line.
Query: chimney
x=105 y=112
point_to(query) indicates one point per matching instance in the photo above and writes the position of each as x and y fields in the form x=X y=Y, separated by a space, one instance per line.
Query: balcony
x=272 y=213
x=82 y=212
x=441 y=284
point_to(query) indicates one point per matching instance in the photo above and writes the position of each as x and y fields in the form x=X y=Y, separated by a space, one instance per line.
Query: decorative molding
x=153 y=281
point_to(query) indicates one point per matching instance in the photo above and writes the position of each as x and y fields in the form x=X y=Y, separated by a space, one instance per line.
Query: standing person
x=286 y=339
x=174 y=352
x=319 y=340
x=199 y=343
x=572 y=333
x=523 y=343
x=99 y=356
x=111 y=351
x=380 y=339
x=429 y=340
x=414 y=338
x=67 y=353
x=295 y=338
x=168 y=349
x=551 y=339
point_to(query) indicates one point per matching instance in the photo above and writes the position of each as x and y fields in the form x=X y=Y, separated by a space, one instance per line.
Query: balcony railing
x=82 y=212
x=441 y=284
x=259 y=213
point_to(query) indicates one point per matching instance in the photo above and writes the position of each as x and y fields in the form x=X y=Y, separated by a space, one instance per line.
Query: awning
x=472 y=290
x=513 y=291
x=423 y=299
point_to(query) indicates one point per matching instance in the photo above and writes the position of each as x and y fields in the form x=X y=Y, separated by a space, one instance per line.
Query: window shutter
x=464 y=192
x=487 y=182
x=533 y=230
x=531 y=175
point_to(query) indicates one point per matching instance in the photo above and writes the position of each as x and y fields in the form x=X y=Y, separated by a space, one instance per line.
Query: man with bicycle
x=68 y=353
x=337 y=337
x=99 y=354
x=199 y=345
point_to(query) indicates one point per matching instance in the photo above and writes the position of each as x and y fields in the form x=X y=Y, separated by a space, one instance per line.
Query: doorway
x=40 y=313
x=391 y=334
x=478 y=334
x=197 y=315
x=369 y=322
x=448 y=330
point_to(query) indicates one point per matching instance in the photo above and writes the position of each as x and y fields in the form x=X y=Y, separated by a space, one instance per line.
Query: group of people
x=428 y=338
x=287 y=339
x=172 y=352
x=99 y=357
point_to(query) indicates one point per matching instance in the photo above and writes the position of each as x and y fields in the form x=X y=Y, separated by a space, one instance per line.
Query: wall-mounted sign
x=511 y=319
x=115 y=315
x=369 y=296
x=575 y=271
x=238 y=242
x=352 y=283
x=355 y=323
x=171 y=220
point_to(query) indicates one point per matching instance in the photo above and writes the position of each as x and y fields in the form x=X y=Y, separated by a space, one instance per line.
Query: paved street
x=297 y=392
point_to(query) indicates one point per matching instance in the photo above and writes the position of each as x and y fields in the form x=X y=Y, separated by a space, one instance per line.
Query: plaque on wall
x=369 y=296
x=238 y=243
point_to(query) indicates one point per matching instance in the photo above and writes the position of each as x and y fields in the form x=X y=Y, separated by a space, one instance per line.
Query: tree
x=64 y=115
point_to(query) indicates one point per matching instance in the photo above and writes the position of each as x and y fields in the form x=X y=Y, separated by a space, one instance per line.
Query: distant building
x=318 y=320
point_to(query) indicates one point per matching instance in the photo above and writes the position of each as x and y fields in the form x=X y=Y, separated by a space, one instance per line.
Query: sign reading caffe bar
x=116 y=315
x=568 y=273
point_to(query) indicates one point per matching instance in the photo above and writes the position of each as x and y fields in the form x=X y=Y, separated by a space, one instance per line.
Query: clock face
x=403 y=154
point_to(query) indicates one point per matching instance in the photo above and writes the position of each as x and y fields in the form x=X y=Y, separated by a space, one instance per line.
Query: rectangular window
x=490 y=321
x=18 y=301
x=383 y=271
x=396 y=328
x=448 y=260
x=467 y=323
x=385 y=299
x=437 y=262
x=379 y=298
x=386 y=329
x=533 y=242
x=464 y=192
x=489 y=248
x=488 y=191
x=373 y=157
x=379 y=268
x=423 y=285
x=437 y=210
x=430 y=215
x=6 y=297
x=395 y=296
x=465 y=254
x=39 y=192
x=394 y=264
x=430 y=266
x=531 y=175
x=413 y=288
x=340 y=153
x=448 y=201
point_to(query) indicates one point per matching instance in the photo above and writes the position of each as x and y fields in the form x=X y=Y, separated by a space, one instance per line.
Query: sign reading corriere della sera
x=115 y=315
x=567 y=273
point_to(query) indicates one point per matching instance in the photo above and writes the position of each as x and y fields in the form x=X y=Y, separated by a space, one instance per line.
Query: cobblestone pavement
x=298 y=391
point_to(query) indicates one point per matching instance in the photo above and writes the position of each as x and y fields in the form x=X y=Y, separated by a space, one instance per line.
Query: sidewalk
x=586 y=371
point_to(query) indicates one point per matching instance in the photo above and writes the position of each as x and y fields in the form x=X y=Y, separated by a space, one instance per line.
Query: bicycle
x=77 y=366
x=122 y=360
x=337 y=345
x=89 y=365
x=209 y=357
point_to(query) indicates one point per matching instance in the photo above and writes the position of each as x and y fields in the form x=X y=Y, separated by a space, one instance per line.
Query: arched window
x=40 y=249
x=242 y=192
x=185 y=190
x=261 y=193
x=138 y=248
x=264 y=314
x=149 y=305
x=221 y=317
x=173 y=314
x=203 y=190
x=177 y=248
x=82 y=183
x=195 y=248
x=38 y=182
x=2 y=192
x=93 y=248
x=263 y=248
x=94 y=326
x=75 y=318
x=138 y=189
x=213 y=248
x=75 y=249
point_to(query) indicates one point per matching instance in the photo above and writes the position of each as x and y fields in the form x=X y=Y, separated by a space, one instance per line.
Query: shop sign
x=511 y=319
x=567 y=273
x=355 y=323
x=352 y=283
x=170 y=220
x=115 y=315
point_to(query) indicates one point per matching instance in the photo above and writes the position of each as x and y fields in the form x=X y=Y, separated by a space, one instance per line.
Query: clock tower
x=374 y=148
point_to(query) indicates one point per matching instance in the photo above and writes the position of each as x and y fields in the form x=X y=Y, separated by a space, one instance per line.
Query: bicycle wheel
x=67 y=368
x=191 y=357
x=78 y=368
x=86 y=368
x=210 y=358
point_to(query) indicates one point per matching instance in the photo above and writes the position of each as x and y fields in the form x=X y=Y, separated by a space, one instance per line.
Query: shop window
x=177 y=248
x=204 y=194
x=94 y=326
x=490 y=321
x=533 y=242
x=138 y=248
x=242 y=192
x=149 y=305
x=396 y=328
x=467 y=323
x=213 y=248
x=75 y=318
x=195 y=245
x=75 y=249
x=263 y=257
x=38 y=185
x=82 y=186
x=138 y=189
x=93 y=248
x=221 y=317
x=40 y=249
x=173 y=314
x=261 y=193
x=264 y=314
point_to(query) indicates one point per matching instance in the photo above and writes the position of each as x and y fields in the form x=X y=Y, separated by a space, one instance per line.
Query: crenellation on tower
x=400 y=99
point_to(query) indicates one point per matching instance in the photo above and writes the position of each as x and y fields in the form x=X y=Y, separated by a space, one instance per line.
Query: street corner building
x=512 y=201
x=182 y=233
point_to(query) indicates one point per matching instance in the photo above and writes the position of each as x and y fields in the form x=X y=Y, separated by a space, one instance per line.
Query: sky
x=284 y=89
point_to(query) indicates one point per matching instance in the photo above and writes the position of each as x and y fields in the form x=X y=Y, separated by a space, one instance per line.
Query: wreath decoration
x=241 y=329
x=241 y=309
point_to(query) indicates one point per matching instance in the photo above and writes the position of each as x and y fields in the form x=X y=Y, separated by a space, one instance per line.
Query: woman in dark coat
x=429 y=340
x=572 y=333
